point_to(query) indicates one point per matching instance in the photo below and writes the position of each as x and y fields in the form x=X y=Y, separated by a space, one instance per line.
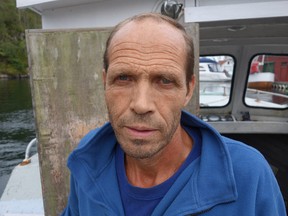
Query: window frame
x=247 y=78
x=231 y=81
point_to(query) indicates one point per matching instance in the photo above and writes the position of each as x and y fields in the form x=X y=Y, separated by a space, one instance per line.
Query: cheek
x=111 y=99
x=171 y=107
x=116 y=102
x=176 y=99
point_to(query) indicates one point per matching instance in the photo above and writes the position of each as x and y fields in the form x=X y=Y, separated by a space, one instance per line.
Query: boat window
x=267 y=83
x=215 y=78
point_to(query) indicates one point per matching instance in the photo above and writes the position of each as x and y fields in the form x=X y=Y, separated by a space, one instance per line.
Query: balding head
x=160 y=20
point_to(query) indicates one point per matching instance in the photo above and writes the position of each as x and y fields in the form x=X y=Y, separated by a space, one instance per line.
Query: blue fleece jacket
x=229 y=178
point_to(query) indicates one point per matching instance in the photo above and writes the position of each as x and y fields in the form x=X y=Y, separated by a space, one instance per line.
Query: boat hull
x=261 y=80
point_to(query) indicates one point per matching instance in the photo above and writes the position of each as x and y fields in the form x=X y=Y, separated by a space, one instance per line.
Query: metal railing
x=27 y=159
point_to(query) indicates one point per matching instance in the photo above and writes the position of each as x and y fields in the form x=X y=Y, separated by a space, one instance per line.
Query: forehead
x=148 y=43
x=149 y=33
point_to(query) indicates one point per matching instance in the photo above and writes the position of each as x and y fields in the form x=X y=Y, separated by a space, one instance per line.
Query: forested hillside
x=13 y=22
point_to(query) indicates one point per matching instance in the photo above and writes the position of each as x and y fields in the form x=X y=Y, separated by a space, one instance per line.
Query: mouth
x=140 y=132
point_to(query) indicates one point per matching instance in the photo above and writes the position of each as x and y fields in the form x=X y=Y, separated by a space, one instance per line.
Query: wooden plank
x=193 y=30
x=68 y=99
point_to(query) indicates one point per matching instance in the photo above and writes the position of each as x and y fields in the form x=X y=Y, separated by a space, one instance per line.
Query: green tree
x=13 y=22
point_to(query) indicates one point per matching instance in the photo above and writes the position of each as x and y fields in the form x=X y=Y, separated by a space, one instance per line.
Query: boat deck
x=23 y=195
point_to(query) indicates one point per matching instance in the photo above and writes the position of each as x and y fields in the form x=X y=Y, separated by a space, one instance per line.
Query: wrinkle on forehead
x=145 y=44
x=146 y=48
x=149 y=34
x=145 y=53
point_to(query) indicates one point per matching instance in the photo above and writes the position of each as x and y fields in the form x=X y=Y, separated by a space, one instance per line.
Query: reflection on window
x=215 y=76
x=268 y=82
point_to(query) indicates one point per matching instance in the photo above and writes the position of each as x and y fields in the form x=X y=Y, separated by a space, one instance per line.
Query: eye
x=122 y=77
x=165 y=81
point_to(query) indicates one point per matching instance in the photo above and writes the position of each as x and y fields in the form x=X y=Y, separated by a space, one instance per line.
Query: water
x=17 y=127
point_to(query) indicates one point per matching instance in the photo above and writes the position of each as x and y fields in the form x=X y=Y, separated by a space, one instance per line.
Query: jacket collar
x=208 y=181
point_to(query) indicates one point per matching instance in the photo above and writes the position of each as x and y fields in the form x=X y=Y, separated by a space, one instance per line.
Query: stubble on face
x=143 y=148
x=133 y=61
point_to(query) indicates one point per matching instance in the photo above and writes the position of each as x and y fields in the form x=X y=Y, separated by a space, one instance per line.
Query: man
x=153 y=158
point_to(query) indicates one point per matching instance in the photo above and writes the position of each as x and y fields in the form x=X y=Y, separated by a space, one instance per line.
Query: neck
x=152 y=171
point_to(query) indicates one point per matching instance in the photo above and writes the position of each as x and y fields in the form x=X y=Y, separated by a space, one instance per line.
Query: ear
x=190 y=90
x=104 y=76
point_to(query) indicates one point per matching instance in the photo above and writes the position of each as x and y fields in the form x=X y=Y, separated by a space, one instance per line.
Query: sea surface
x=17 y=127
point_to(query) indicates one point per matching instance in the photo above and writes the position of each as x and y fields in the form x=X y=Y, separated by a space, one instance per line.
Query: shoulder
x=251 y=170
x=96 y=141
x=87 y=138
x=246 y=159
x=94 y=151
x=242 y=151
x=99 y=133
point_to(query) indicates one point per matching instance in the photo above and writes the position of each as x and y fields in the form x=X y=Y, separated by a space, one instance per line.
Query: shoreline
x=18 y=76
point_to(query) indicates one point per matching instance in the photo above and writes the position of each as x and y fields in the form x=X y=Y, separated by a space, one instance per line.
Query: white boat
x=261 y=80
x=209 y=71
x=23 y=193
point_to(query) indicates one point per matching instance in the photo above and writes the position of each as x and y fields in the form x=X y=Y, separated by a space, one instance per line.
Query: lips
x=139 y=131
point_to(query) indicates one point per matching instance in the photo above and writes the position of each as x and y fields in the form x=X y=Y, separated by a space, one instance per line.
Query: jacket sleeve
x=72 y=208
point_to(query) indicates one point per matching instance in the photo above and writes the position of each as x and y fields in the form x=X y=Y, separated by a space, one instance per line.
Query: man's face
x=146 y=86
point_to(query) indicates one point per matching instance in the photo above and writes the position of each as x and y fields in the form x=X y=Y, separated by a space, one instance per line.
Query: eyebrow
x=124 y=70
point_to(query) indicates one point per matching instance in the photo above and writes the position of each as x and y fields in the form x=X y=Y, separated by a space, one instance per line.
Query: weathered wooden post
x=68 y=99
x=193 y=30
x=67 y=90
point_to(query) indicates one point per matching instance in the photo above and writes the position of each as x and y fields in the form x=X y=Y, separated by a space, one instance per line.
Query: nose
x=142 y=99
